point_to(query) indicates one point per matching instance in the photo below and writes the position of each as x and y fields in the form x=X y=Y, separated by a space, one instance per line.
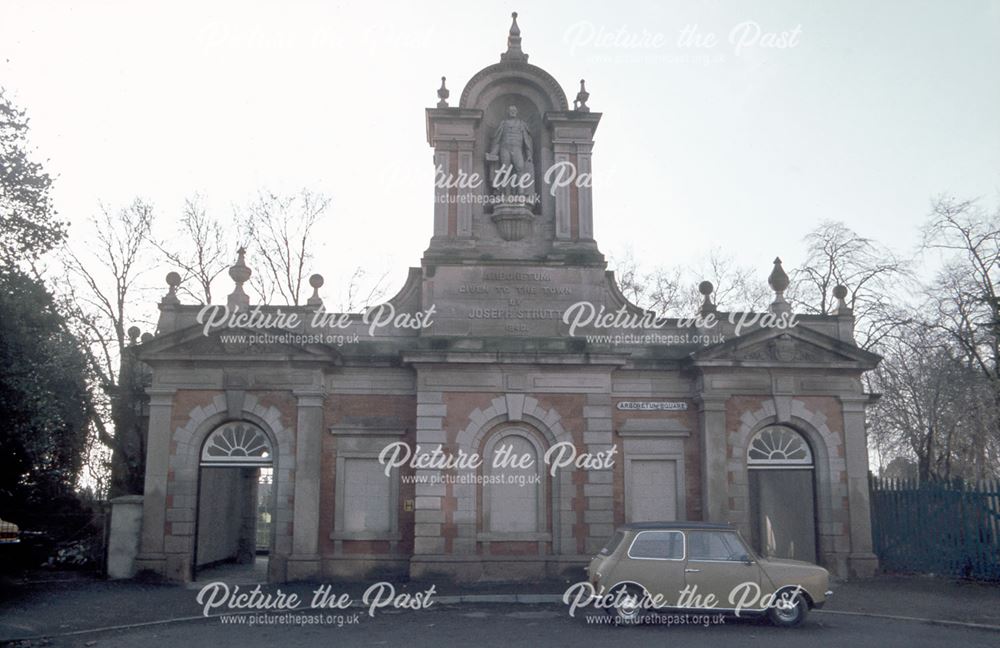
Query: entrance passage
x=782 y=494
x=235 y=499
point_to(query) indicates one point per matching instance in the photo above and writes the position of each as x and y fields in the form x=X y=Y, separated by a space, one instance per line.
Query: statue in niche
x=510 y=157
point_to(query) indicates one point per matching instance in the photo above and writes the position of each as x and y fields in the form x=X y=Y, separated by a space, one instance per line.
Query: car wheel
x=627 y=607
x=788 y=612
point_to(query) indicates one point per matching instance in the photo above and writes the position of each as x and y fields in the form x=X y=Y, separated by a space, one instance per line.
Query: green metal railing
x=944 y=527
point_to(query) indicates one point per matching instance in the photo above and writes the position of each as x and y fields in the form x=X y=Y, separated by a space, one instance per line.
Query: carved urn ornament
x=513 y=221
x=240 y=273
x=443 y=94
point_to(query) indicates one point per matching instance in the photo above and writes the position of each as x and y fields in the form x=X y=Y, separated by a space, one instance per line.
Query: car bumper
x=826 y=597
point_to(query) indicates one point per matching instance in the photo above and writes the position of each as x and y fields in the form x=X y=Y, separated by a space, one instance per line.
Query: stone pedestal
x=862 y=565
x=513 y=220
x=123 y=543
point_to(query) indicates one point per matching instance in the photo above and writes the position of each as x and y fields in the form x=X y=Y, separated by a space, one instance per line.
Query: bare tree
x=673 y=291
x=737 y=288
x=201 y=255
x=361 y=294
x=964 y=299
x=98 y=294
x=965 y=292
x=657 y=289
x=873 y=274
x=915 y=412
x=278 y=230
x=933 y=406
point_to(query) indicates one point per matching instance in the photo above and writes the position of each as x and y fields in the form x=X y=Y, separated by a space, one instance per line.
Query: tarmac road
x=528 y=625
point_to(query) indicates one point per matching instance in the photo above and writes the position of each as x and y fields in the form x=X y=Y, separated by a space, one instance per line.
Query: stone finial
x=580 y=103
x=840 y=293
x=240 y=274
x=133 y=335
x=778 y=281
x=706 y=288
x=173 y=281
x=443 y=95
x=316 y=281
x=514 y=51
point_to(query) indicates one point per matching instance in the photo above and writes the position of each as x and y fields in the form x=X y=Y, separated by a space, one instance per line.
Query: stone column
x=464 y=207
x=305 y=560
x=154 y=503
x=862 y=561
x=442 y=166
x=452 y=134
x=428 y=515
x=714 y=482
x=585 y=192
x=572 y=143
x=599 y=489
x=562 y=199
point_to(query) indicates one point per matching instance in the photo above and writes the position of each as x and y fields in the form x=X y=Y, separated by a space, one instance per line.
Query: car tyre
x=790 y=614
x=630 y=611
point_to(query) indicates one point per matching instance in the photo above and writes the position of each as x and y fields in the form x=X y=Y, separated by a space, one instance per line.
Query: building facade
x=343 y=446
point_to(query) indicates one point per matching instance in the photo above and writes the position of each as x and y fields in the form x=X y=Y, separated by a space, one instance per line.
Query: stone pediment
x=237 y=344
x=796 y=346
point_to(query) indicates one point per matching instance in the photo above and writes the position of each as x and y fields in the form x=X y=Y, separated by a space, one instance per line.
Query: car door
x=717 y=563
x=655 y=561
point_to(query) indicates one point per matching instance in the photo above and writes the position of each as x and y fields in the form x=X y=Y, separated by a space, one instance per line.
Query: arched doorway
x=235 y=500
x=782 y=494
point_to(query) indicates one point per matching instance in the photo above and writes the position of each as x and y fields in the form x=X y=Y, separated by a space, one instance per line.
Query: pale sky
x=875 y=108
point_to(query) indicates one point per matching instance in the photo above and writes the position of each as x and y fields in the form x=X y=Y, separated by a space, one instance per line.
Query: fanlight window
x=237 y=444
x=778 y=446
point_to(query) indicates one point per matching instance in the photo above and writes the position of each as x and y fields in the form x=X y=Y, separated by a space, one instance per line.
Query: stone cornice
x=563 y=358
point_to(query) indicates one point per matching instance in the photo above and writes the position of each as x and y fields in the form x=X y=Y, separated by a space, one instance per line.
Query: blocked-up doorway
x=654 y=488
x=782 y=494
x=235 y=499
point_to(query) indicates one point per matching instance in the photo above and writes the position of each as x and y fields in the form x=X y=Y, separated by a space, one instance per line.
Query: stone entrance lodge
x=325 y=457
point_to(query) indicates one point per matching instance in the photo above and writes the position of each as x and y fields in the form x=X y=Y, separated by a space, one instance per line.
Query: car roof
x=672 y=526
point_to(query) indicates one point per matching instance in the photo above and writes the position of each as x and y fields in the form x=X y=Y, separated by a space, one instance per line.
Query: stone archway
x=782 y=494
x=829 y=471
x=188 y=443
x=235 y=496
